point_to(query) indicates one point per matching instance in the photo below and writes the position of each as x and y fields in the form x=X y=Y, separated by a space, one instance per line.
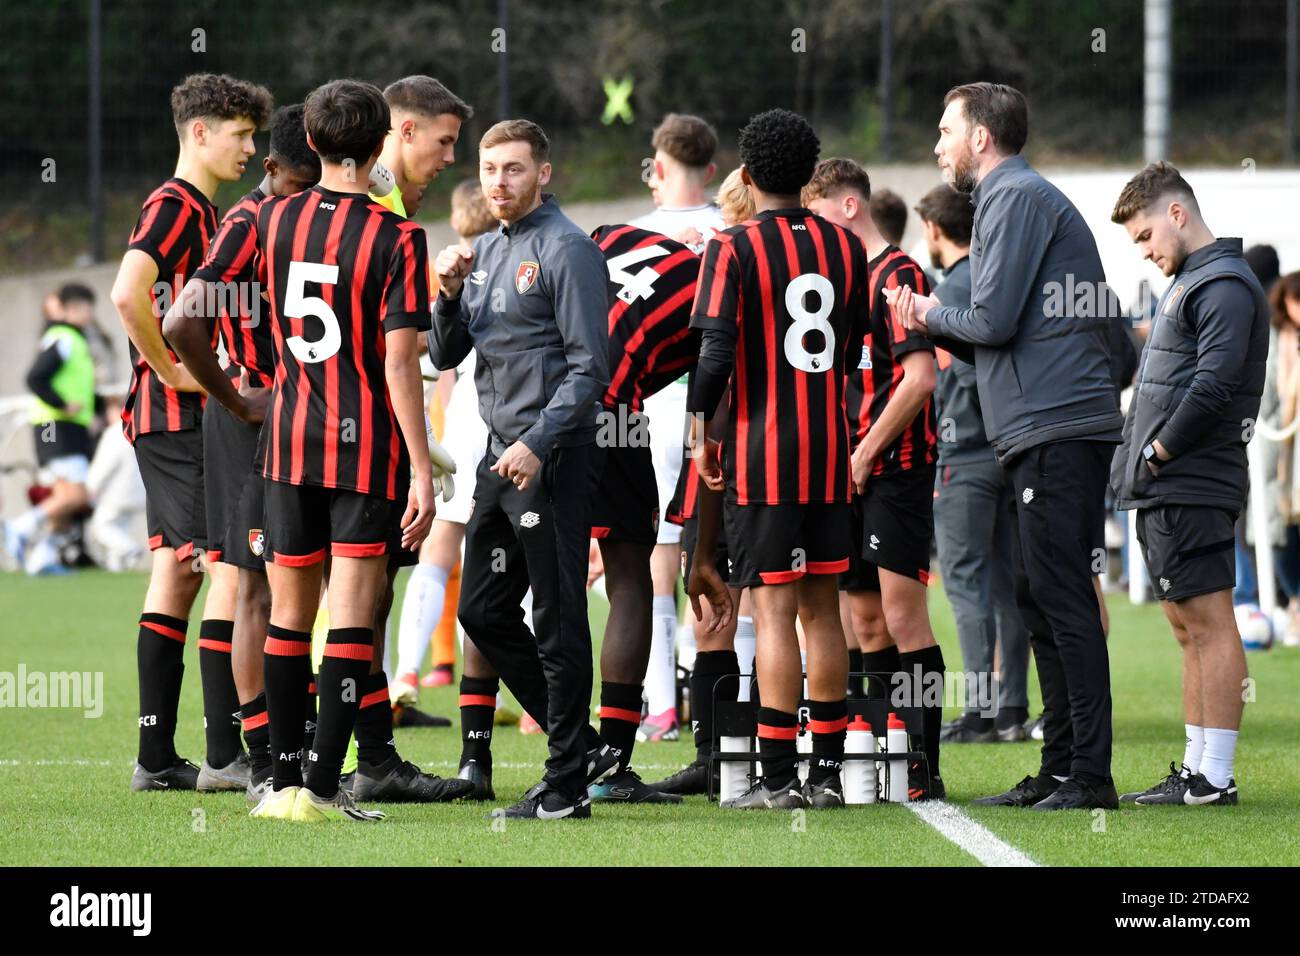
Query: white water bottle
x=803 y=745
x=733 y=778
x=896 y=743
x=859 y=775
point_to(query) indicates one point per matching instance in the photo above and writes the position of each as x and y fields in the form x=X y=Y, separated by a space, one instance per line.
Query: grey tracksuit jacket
x=535 y=306
x=1037 y=327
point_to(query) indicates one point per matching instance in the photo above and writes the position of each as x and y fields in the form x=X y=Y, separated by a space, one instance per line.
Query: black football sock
x=620 y=715
x=257 y=737
x=930 y=660
x=374 y=730
x=478 y=707
x=855 y=666
x=343 y=672
x=827 y=720
x=716 y=677
x=777 y=731
x=883 y=664
x=287 y=668
x=220 y=699
x=160 y=661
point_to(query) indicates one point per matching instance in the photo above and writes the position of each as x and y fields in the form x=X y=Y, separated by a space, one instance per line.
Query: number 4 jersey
x=792 y=288
x=340 y=271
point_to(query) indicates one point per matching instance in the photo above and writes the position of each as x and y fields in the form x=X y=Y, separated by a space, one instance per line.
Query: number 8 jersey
x=340 y=271
x=793 y=289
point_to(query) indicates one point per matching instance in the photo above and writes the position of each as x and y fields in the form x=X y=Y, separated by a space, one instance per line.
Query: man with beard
x=1048 y=400
x=534 y=307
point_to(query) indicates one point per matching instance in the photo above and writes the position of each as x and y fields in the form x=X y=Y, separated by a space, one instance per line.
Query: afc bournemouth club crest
x=526 y=276
x=256 y=541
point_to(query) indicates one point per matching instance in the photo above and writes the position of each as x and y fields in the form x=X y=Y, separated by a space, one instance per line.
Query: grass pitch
x=64 y=776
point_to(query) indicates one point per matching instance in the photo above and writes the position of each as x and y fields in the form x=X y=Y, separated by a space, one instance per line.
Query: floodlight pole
x=95 y=139
x=1159 y=43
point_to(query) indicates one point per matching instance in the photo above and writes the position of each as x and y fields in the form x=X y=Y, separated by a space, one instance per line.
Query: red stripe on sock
x=257 y=720
x=618 y=713
x=311 y=688
x=768 y=732
x=828 y=726
x=350 y=652
x=211 y=645
x=477 y=700
x=283 y=648
x=164 y=630
x=374 y=697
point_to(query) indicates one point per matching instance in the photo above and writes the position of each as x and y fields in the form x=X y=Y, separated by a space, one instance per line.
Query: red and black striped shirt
x=794 y=288
x=878 y=368
x=652 y=286
x=175 y=226
x=341 y=271
x=231 y=264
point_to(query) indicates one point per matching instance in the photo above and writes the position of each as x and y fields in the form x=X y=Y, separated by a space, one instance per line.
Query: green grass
x=64 y=777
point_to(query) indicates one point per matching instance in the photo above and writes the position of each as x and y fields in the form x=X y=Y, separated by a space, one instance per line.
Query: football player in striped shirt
x=781 y=299
x=892 y=431
x=651 y=346
x=343 y=446
x=224 y=294
x=215 y=117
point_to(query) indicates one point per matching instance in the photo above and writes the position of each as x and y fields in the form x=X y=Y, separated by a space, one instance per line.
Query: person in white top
x=683 y=165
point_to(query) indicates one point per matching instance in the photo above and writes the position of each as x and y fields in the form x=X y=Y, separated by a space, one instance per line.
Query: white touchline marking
x=977 y=840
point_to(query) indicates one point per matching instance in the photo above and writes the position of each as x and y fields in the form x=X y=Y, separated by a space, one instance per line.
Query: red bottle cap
x=860 y=723
x=895 y=723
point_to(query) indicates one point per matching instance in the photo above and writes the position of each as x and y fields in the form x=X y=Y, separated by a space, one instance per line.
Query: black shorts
x=721 y=560
x=233 y=489
x=1188 y=549
x=893 y=525
x=303 y=522
x=776 y=544
x=171 y=467
x=626 y=506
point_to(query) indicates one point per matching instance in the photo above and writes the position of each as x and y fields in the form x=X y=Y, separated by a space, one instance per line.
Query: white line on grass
x=977 y=840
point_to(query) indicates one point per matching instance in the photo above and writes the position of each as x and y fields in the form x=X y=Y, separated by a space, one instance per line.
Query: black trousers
x=1060 y=489
x=537 y=538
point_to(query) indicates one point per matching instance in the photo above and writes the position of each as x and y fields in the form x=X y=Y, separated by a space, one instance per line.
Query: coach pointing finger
x=1050 y=411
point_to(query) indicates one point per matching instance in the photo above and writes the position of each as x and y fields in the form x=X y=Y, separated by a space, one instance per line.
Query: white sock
x=1195 y=745
x=661 y=672
x=426 y=593
x=686 y=648
x=29 y=522
x=1220 y=750
x=746 y=647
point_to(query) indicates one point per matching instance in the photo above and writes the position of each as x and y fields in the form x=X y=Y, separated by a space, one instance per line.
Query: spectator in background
x=1264 y=263
x=62 y=381
x=973 y=509
x=889 y=213
x=1279 y=408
